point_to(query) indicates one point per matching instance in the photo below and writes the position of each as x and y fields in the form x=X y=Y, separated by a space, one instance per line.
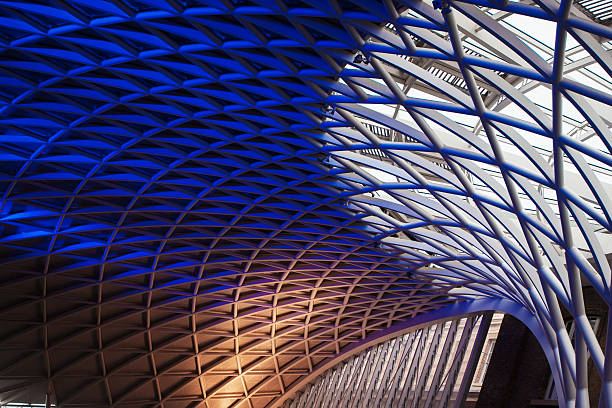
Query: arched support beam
x=455 y=310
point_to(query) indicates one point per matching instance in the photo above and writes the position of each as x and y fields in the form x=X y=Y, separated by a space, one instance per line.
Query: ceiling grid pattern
x=203 y=202
x=170 y=235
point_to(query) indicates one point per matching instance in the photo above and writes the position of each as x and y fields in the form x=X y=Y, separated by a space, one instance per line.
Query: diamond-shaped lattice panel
x=170 y=233
x=205 y=201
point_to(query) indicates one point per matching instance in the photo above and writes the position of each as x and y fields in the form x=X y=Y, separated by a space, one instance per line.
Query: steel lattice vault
x=209 y=203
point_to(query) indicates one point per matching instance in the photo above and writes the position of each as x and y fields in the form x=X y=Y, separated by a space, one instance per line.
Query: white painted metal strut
x=362 y=379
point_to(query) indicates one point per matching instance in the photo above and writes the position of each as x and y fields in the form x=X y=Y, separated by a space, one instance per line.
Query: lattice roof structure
x=205 y=203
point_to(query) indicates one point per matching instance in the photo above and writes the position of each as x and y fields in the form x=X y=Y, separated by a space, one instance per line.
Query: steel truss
x=419 y=369
x=204 y=203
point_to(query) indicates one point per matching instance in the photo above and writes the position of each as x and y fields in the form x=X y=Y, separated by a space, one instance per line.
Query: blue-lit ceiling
x=164 y=189
x=204 y=201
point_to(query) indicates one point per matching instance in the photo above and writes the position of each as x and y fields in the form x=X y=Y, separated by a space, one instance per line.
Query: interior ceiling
x=204 y=201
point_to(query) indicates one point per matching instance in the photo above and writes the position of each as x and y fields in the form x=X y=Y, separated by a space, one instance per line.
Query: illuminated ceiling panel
x=205 y=201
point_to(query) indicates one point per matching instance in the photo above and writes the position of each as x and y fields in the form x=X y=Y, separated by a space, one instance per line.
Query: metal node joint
x=443 y=5
x=330 y=109
x=361 y=58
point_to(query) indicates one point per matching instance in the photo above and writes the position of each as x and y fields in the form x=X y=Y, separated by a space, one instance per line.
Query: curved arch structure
x=405 y=371
x=423 y=323
x=204 y=202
